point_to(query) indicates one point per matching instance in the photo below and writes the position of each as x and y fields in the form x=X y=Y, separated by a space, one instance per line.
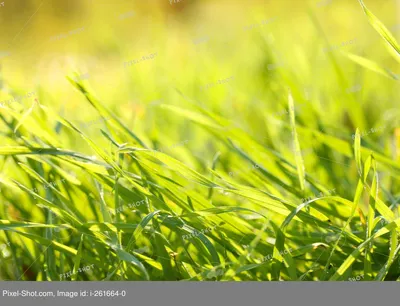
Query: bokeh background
x=236 y=59
x=197 y=43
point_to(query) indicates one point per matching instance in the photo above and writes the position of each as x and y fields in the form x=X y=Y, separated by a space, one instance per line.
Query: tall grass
x=290 y=185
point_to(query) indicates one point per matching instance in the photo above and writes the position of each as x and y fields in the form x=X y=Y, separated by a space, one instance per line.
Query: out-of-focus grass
x=199 y=141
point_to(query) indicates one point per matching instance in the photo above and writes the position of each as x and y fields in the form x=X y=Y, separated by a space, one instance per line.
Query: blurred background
x=233 y=58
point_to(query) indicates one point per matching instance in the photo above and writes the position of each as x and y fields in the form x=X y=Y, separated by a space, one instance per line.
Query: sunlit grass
x=242 y=171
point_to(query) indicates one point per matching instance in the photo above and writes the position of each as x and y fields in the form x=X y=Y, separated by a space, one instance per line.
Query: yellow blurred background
x=196 y=42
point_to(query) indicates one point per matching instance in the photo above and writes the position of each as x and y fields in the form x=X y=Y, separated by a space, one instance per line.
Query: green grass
x=211 y=185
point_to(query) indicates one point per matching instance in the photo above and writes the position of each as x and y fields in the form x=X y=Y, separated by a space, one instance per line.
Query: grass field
x=200 y=140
